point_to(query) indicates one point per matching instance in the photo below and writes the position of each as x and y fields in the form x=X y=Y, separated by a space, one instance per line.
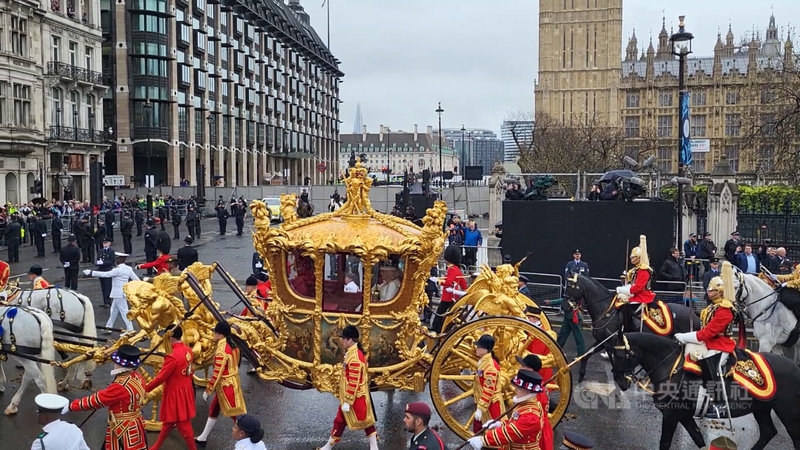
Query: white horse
x=772 y=320
x=70 y=311
x=32 y=331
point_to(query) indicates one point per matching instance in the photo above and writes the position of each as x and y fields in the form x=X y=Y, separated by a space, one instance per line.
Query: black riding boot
x=715 y=386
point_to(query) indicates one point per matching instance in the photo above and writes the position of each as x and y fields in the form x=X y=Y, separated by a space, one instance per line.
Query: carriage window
x=302 y=279
x=343 y=283
x=387 y=278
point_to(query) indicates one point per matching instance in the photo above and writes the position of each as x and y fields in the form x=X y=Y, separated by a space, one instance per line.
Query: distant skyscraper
x=515 y=133
x=359 y=122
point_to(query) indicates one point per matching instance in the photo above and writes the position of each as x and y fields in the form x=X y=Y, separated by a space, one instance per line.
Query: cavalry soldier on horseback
x=638 y=289
x=714 y=338
x=790 y=298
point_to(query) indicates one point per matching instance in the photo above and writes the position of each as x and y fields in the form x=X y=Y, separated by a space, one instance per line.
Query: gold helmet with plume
x=641 y=252
x=723 y=283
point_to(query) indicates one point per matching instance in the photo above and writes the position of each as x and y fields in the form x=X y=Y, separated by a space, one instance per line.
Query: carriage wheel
x=455 y=361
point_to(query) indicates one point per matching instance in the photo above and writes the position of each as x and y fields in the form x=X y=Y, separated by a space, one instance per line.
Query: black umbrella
x=39 y=201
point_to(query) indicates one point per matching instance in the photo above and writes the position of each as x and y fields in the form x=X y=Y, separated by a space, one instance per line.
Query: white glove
x=65 y=410
x=492 y=425
x=783 y=285
x=478 y=414
x=773 y=277
x=434 y=279
x=87 y=272
x=687 y=338
x=456 y=292
x=476 y=442
x=345 y=407
x=624 y=290
x=205 y=396
x=99 y=262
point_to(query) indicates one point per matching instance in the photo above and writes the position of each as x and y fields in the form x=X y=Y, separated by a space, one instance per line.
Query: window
x=731 y=98
x=732 y=124
x=766 y=158
x=632 y=100
x=698 y=98
x=665 y=159
x=767 y=96
x=73 y=53
x=74 y=98
x=150 y=23
x=89 y=52
x=55 y=48
x=733 y=156
x=664 y=98
x=698 y=125
x=3 y=94
x=90 y=116
x=19 y=36
x=699 y=162
x=664 y=126
x=343 y=283
x=22 y=104
x=57 y=106
x=632 y=126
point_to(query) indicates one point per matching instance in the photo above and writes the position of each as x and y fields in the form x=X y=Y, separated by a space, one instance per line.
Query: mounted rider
x=714 y=341
x=638 y=290
x=789 y=297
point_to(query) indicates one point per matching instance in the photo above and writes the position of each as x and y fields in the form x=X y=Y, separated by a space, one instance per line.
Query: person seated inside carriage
x=388 y=281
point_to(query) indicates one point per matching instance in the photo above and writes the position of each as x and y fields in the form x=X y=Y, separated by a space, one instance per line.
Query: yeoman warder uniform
x=123 y=398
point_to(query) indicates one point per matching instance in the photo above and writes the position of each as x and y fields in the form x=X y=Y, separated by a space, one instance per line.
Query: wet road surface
x=295 y=420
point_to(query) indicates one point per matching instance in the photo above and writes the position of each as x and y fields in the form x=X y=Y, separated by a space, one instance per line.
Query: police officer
x=139 y=219
x=258 y=263
x=110 y=224
x=176 y=222
x=418 y=415
x=106 y=257
x=56 y=434
x=191 y=217
x=70 y=257
x=13 y=238
x=100 y=234
x=150 y=238
x=222 y=216
x=186 y=255
x=39 y=230
x=575 y=265
x=240 y=213
x=126 y=228
x=574 y=440
x=55 y=229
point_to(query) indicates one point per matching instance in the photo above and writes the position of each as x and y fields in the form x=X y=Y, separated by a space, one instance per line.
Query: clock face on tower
x=686 y=128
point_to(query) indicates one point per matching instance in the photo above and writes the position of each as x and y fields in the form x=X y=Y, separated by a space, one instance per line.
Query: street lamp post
x=148 y=105
x=388 y=166
x=461 y=164
x=75 y=120
x=681 y=47
x=439 y=111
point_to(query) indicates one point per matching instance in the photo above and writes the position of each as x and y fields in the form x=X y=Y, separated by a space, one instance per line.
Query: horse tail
x=47 y=348
x=89 y=325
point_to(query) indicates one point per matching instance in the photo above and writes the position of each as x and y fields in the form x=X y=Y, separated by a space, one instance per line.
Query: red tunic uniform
x=521 y=431
x=161 y=264
x=641 y=292
x=354 y=390
x=716 y=331
x=40 y=283
x=225 y=381
x=4 y=273
x=257 y=302
x=123 y=398
x=487 y=397
x=453 y=276
x=177 y=401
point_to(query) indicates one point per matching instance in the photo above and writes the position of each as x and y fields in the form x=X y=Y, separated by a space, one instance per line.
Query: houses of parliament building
x=583 y=80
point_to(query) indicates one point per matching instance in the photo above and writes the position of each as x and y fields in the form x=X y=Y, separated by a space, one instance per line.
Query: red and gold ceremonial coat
x=258 y=303
x=716 y=331
x=521 y=431
x=123 y=398
x=354 y=390
x=225 y=380
x=453 y=279
x=4 y=273
x=177 y=400
x=40 y=283
x=641 y=290
x=161 y=264
x=487 y=395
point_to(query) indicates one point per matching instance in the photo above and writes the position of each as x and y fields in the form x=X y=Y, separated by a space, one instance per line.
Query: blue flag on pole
x=685 y=157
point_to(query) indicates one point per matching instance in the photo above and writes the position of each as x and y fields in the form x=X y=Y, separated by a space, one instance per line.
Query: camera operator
x=513 y=192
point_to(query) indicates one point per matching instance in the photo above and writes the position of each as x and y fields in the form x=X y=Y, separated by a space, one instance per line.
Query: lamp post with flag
x=681 y=47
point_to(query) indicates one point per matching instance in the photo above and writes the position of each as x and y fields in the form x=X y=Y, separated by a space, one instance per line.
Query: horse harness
x=28 y=300
x=10 y=314
x=644 y=381
x=607 y=314
x=743 y=305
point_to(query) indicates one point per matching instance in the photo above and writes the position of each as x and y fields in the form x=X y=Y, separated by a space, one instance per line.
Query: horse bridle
x=744 y=305
x=632 y=376
x=602 y=299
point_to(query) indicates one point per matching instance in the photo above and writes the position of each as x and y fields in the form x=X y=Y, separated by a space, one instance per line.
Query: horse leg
x=69 y=379
x=3 y=379
x=690 y=425
x=27 y=377
x=765 y=426
x=669 y=422
x=789 y=417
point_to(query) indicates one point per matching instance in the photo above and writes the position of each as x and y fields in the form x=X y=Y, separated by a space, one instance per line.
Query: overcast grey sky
x=478 y=57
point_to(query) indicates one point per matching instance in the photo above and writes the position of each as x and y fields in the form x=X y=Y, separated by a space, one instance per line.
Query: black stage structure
x=551 y=229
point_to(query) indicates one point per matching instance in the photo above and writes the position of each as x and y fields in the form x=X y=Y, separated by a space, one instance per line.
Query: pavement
x=296 y=420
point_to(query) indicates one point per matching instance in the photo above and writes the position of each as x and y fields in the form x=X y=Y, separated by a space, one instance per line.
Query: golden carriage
x=359 y=267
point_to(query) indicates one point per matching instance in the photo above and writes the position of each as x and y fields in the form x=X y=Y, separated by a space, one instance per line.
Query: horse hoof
x=11 y=410
x=87 y=384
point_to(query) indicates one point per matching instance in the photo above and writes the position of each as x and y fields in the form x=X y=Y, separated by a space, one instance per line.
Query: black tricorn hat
x=350 y=332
